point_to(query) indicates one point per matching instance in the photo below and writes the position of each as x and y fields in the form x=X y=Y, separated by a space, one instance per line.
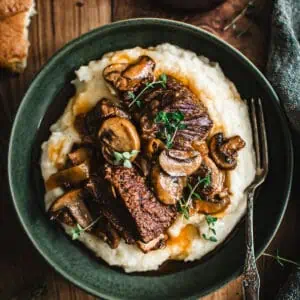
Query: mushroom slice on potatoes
x=180 y=163
x=71 y=176
x=217 y=177
x=225 y=151
x=211 y=207
x=73 y=203
x=167 y=188
x=128 y=77
x=80 y=155
x=120 y=135
x=113 y=72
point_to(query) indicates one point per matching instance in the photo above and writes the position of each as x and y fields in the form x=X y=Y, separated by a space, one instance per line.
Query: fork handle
x=251 y=282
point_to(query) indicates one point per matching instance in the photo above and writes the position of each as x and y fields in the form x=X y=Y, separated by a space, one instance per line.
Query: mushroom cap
x=72 y=201
x=224 y=152
x=71 y=176
x=167 y=188
x=209 y=207
x=180 y=163
x=217 y=177
x=128 y=77
x=120 y=135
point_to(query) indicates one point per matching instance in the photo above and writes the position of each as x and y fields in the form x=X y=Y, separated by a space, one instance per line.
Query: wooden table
x=23 y=271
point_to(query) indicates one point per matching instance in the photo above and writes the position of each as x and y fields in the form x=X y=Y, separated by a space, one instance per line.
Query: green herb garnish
x=281 y=260
x=124 y=158
x=136 y=99
x=172 y=122
x=183 y=206
x=76 y=232
x=211 y=221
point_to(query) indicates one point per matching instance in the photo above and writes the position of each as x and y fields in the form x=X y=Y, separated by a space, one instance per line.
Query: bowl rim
x=149 y=21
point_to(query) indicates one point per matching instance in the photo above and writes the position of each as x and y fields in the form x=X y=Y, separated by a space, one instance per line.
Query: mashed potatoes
x=229 y=114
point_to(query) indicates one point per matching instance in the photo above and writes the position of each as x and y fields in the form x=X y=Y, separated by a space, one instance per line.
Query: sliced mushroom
x=211 y=207
x=155 y=244
x=113 y=72
x=126 y=77
x=72 y=202
x=79 y=156
x=180 y=163
x=217 y=178
x=168 y=189
x=154 y=146
x=225 y=151
x=72 y=176
x=109 y=109
x=118 y=134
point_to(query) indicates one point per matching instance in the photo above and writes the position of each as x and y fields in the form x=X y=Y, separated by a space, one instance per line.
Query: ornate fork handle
x=251 y=281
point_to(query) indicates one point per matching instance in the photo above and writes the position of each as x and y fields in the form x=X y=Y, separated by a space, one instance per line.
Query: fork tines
x=260 y=138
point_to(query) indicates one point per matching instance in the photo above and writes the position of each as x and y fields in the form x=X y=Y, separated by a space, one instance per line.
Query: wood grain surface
x=24 y=273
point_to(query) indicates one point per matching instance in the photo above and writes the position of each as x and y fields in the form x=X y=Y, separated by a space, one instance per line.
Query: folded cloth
x=283 y=71
x=283 y=68
x=291 y=289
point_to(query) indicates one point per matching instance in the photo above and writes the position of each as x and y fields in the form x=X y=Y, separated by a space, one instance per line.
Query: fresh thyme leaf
x=171 y=121
x=131 y=95
x=127 y=163
x=76 y=232
x=183 y=209
x=211 y=220
x=126 y=155
x=118 y=156
x=124 y=158
x=210 y=238
x=163 y=78
x=206 y=181
x=136 y=98
x=197 y=195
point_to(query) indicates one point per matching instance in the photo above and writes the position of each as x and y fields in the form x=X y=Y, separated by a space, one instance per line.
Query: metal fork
x=251 y=280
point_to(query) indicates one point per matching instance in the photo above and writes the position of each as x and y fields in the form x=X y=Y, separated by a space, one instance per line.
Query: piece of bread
x=14 y=43
x=12 y=7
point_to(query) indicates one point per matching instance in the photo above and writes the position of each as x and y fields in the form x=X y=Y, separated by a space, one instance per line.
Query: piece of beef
x=130 y=77
x=88 y=124
x=105 y=230
x=150 y=216
x=176 y=97
x=112 y=209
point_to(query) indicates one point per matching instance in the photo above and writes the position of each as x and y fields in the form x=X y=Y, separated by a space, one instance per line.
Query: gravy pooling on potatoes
x=144 y=163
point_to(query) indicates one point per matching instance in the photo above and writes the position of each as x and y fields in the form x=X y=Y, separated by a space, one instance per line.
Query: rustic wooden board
x=23 y=270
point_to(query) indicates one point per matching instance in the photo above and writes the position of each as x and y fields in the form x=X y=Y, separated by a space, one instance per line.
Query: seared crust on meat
x=176 y=97
x=150 y=216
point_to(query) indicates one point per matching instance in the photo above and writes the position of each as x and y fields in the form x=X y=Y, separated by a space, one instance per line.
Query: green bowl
x=45 y=101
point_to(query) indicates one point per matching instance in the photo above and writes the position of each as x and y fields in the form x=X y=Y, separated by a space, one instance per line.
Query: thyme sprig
x=183 y=206
x=172 y=122
x=233 y=22
x=76 y=232
x=281 y=260
x=136 y=98
x=211 y=235
x=124 y=158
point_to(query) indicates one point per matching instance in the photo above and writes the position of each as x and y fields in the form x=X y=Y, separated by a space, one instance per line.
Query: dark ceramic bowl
x=45 y=101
